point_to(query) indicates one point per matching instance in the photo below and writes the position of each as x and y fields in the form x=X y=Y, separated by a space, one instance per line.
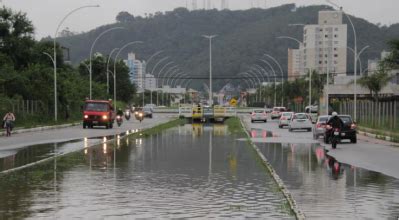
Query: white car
x=258 y=115
x=276 y=113
x=300 y=121
x=285 y=119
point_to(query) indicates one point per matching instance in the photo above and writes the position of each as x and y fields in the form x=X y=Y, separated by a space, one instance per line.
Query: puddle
x=191 y=171
x=327 y=189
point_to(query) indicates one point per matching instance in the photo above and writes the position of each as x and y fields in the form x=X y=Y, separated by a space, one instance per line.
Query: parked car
x=347 y=132
x=319 y=128
x=276 y=113
x=148 y=111
x=258 y=115
x=285 y=119
x=300 y=121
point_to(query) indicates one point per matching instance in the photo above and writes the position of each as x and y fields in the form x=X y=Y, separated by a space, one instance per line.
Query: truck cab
x=98 y=113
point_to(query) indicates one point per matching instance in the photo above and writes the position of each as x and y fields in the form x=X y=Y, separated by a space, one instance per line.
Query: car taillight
x=318 y=125
x=283 y=118
x=328 y=127
x=253 y=114
x=353 y=126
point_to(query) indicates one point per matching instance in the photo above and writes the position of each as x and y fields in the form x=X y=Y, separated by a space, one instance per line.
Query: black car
x=348 y=132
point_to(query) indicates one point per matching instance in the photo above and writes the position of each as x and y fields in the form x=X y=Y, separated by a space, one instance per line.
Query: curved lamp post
x=91 y=53
x=115 y=61
x=109 y=58
x=275 y=79
x=282 y=76
x=55 y=55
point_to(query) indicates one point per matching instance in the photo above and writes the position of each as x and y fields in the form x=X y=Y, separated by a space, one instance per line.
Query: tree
x=124 y=17
x=392 y=61
x=376 y=81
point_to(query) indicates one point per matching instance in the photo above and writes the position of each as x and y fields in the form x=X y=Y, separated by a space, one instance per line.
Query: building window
x=326 y=36
x=336 y=35
x=335 y=49
x=335 y=42
x=320 y=42
x=325 y=55
x=321 y=56
x=336 y=29
x=320 y=62
x=325 y=62
x=335 y=55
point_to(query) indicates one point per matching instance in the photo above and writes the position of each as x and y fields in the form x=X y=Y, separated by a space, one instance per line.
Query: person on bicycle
x=335 y=122
x=8 y=119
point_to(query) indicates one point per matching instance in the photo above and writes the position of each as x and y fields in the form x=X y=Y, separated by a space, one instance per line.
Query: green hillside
x=243 y=36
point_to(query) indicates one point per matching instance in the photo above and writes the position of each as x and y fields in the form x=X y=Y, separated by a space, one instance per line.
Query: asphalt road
x=17 y=141
x=368 y=153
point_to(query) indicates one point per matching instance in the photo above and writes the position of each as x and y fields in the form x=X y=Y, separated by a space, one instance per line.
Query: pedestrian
x=8 y=122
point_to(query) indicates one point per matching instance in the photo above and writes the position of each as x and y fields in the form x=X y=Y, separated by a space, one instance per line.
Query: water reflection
x=180 y=173
x=325 y=188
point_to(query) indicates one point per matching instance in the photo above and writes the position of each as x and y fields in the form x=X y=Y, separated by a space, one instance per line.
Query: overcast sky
x=46 y=14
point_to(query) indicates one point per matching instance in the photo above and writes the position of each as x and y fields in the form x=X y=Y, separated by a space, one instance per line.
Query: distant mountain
x=243 y=36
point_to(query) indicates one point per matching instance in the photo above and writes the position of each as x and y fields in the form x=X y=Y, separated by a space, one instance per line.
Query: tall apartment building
x=295 y=64
x=325 y=44
x=136 y=70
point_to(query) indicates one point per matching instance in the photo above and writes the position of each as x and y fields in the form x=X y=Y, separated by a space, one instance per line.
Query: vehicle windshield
x=300 y=116
x=259 y=111
x=96 y=107
x=323 y=119
x=287 y=114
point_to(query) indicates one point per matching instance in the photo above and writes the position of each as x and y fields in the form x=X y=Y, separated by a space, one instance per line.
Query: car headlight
x=105 y=117
x=141 y=114
x=86 y=116
x=136 y=113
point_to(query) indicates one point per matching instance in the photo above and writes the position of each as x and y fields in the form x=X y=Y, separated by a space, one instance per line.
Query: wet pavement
x=324 y=187
x=190 y=171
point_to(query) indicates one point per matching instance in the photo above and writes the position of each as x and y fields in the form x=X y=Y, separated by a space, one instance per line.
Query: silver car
x=319 y=128
x=300 y=121
x=285 y=119
x=258 y=115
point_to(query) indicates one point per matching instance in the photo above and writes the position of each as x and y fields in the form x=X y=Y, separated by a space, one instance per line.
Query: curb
x=376 y=136
x=20 y=131
x=291 y=201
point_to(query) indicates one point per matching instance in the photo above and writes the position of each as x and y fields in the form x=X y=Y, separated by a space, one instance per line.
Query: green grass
x=234 y=125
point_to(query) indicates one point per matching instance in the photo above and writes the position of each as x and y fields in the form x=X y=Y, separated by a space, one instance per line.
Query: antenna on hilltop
x=225 y=4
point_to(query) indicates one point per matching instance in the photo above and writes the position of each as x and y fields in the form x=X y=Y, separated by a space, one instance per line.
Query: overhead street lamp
x=54 y=58
x=157 y=78
x=115 y=61
x=355 y=59
x=152 y=73
x=282 y=76
x=262 y=70
x=210 y=37
x=107 y=70
x=252 y=78
x=255 y=71
x=91 y=53
x=275 y=79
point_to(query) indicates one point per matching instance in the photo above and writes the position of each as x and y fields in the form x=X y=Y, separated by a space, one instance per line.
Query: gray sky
x=46 y=14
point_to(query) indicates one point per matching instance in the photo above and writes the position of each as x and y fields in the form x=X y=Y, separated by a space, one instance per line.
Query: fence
x=23 y=107
x=373 y=114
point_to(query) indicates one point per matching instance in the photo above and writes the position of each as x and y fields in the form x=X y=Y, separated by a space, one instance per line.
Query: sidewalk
x=390 y=138
x=39 y=128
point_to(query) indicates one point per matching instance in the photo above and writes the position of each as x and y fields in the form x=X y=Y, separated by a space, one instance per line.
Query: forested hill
x=243 y=36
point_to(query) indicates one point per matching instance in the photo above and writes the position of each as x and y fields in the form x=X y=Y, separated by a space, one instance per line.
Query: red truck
x=98 y=113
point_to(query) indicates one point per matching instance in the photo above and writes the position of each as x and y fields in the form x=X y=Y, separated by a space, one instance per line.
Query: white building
x=136 y=70
x=325 y=44
x=295 y=64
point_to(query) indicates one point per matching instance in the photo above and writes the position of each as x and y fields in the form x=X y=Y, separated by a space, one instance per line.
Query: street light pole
x=355 y=60
x=115 y=61
x=109 y=58
x=210 y=37
x=275 y=80
x=91 y=53
x=55 y=55
x=152 y=73
x=282 y=77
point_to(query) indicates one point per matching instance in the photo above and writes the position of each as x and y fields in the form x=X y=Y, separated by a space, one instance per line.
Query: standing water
x=191 y=171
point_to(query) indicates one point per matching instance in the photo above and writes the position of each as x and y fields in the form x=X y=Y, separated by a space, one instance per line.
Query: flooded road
x=327 y=189
x=188 y=171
